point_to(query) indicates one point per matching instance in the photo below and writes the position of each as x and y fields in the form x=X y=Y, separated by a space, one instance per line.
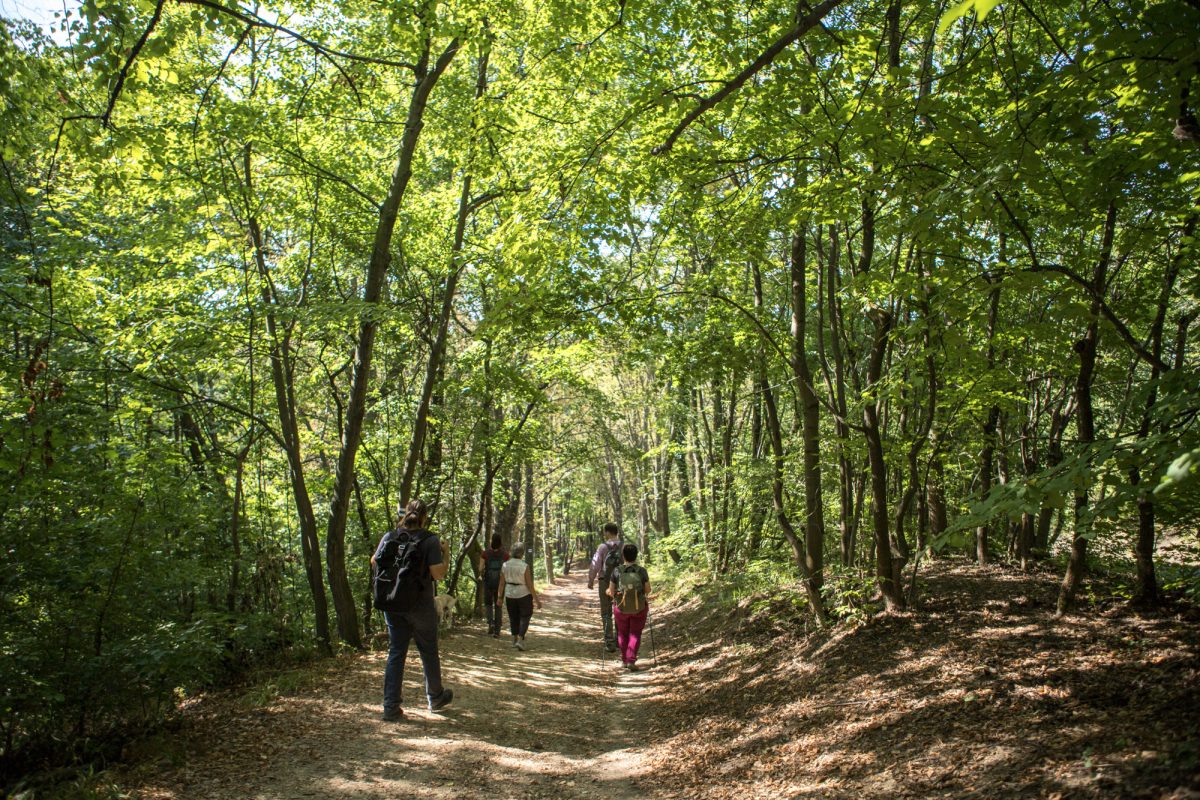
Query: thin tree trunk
x=1086 y=348
x=381 y=258
x=285 y=401
x=810 y=412
x=1146 y=592
x=986 y=466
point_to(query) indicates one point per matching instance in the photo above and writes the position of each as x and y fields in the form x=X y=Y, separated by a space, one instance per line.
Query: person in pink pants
x=629 y=587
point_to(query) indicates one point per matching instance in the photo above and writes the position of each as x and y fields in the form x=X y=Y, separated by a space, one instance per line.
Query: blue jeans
x=403 y=626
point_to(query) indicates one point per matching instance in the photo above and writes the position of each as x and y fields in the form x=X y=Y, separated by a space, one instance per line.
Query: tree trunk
x=282 y=378
x=986 y=466
x=381 y=258
x=1146 y=592
x=810 y=410
x=775 y=436
x=893 y=595
x=1086 y=349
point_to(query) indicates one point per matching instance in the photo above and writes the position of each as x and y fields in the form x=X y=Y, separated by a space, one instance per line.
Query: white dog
x=444 y=603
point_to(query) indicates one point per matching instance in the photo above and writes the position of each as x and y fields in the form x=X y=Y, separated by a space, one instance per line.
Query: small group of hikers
x=410 y=559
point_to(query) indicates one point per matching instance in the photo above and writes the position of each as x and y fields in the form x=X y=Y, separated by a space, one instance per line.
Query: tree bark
x=810 y=412
x=1146 y=592
x=1086 y=349
x=986 y=466
x=285 y=401
x=377 y=268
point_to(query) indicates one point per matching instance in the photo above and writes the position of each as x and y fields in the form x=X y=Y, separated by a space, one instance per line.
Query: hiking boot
x=442 y=700
x=393 y=715
x=520 y=645
x=610 y=647
x=632 y=667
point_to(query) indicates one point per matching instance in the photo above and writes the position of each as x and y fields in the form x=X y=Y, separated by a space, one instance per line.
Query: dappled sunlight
x=552 y=718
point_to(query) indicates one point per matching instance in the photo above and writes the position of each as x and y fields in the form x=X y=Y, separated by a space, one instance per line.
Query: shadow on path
x=557 y=720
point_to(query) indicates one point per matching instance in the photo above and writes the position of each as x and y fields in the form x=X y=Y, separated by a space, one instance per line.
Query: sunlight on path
x=560 y=720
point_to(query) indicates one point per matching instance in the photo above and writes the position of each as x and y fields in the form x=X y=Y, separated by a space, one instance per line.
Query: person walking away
x=606 y=558
x=412 y=558
x=629 y=589
x=518 y=594
x=491 y=562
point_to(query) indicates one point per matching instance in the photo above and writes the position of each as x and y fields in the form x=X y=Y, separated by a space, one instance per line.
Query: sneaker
x=442 y=700
x=520 y=645
x=393 y=715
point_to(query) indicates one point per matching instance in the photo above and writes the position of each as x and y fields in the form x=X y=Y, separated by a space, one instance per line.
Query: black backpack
x=612 y=559
x=491 y=569
x=400 y=573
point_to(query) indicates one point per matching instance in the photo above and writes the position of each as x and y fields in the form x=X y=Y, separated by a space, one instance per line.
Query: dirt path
x=543 y=723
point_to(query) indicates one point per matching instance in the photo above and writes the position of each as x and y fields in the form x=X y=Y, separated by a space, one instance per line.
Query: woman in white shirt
x=518 y=594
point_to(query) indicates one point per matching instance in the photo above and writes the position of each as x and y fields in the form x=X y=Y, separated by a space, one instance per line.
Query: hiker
x=412 y=558
x=606 y=559
x=517 y=592
x=629 y=589
x=491 y=561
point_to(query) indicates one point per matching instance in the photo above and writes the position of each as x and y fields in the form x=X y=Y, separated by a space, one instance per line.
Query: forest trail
x=542 y=723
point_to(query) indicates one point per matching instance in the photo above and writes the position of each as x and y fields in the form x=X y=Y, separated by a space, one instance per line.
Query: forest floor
x=980 y=693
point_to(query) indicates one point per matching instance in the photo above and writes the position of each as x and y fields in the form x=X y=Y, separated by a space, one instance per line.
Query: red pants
x=629 y=633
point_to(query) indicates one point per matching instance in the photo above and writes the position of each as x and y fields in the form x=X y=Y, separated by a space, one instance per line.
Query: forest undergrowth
x=982 y=692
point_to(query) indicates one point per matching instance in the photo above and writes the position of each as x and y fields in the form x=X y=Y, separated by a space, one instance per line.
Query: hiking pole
x=653 y=646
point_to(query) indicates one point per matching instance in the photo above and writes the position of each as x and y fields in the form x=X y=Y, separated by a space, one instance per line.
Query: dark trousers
x=403 y=627
x=606 y=616
x=491 y=606
x=520 y=611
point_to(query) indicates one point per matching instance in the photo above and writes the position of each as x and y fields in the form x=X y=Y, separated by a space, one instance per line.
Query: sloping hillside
x=981 y=693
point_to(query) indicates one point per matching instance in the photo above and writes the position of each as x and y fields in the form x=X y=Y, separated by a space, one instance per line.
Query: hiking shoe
x=520 y=645
x=632 y=667
x=393 y=715
x=442 y=700
x=612 y=648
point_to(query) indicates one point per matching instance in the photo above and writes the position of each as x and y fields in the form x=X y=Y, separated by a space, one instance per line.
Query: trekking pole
x=653 y=646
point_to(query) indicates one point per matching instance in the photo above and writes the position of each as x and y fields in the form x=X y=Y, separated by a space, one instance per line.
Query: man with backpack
x=405 y=566
x=606 y=559
x=491 y=562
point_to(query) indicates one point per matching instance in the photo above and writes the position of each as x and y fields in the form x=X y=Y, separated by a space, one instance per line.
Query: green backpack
x=631 y=595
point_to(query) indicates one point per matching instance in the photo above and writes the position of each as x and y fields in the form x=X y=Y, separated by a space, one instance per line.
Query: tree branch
x=769 y=55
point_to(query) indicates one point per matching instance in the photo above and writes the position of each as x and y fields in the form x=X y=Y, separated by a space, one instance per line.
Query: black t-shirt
x=431 y=554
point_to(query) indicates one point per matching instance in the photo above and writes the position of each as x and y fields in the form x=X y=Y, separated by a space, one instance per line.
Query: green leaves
x=982 y=9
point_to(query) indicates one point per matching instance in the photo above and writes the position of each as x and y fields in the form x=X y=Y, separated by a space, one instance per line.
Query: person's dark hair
x=497 y=541
x=415 y=514
x=611 y=527
x=518 y=550
x=629 y=551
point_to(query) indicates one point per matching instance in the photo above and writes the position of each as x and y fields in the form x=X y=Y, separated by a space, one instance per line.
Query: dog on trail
x=444 y=603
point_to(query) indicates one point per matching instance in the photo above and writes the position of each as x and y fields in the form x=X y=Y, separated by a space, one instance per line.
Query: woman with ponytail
x=418 y=620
